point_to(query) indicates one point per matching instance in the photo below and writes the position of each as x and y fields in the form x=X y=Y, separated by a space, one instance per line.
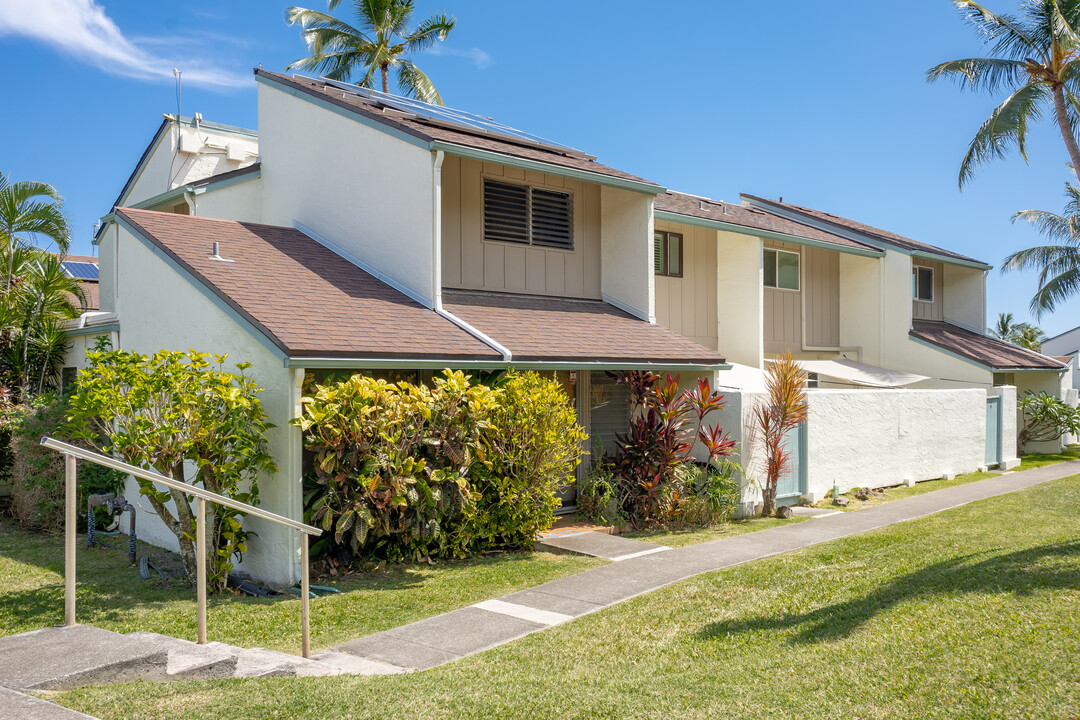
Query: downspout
x=881 y=309
x=193 y=209
x=436 y=259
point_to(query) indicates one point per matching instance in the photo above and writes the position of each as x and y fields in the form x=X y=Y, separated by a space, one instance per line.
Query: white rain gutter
x=436 y=291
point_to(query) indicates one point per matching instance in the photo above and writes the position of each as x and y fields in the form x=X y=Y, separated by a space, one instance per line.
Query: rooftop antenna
x=176 y=74
x=97 y=227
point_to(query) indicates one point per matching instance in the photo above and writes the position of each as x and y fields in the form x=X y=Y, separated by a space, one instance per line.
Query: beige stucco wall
x=688 y=304
x=964 y=295
x=190 y=320
x=468 y=261
x=740 y=298
x=367 y=192
x=860 y=313
x=241 y=201
x=933 y=310
x=626 y=260
x=166 y=169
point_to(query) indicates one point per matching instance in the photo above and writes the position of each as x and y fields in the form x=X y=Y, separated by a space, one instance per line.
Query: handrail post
x=69 y=540
x=200 y=555
x=305 y=593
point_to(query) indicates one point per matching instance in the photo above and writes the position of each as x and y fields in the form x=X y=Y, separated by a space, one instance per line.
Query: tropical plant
x=783 y=410
x=30 y=212
x=1023 y=334
x=404 y=471
x=1046 y=419
x=174 y=410
x=1035 y=57
x=383 y=41
x=1058 y=263
x=665 y=422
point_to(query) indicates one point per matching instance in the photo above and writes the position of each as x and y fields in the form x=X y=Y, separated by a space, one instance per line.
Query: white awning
x=861 y=373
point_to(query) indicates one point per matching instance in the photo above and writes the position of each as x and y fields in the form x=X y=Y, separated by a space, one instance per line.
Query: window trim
x=776 y=274
x=915 y=283
x=664 y=272
x=571 y=194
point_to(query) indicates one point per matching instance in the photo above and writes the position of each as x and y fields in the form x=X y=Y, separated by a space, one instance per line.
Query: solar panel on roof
x=455 y=119
x=81 y=270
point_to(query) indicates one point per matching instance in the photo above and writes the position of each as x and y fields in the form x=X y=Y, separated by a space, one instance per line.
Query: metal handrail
x=202 y=495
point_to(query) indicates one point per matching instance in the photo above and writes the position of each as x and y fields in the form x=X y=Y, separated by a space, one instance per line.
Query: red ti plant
x=783 y=411
x=664 y=424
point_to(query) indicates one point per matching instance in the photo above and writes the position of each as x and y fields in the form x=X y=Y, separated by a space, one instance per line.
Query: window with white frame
x=781 y=269
x=528 y=215
x=922 y=283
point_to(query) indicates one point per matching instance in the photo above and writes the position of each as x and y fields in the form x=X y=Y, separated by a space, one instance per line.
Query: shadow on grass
x=1021 y=572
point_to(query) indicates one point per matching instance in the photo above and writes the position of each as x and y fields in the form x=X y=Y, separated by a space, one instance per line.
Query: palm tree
x=1036 y=57
x=1023 y=334
x=1058 y=263
x=383 y=42
x=1031 y=337
x=1005 y=329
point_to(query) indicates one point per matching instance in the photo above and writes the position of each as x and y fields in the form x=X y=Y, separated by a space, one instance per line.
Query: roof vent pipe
x=217 y=254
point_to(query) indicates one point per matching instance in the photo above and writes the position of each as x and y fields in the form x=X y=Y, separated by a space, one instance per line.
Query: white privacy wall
x=877 y=438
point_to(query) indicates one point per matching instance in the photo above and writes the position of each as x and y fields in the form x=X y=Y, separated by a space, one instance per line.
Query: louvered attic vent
x=529 y=215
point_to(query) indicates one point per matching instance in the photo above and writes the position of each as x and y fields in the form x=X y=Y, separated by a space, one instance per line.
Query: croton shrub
x=404 y=471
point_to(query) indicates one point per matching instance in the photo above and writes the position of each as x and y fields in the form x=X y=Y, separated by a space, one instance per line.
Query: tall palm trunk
x=385 y=67
x=1067 y=134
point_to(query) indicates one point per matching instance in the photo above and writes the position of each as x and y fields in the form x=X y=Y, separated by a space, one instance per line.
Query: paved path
x=454 y=635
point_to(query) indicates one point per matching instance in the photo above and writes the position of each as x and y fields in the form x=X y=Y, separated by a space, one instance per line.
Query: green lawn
x=111 y=595
x=693 y=536
x=970 y=613
x=902 y=491
x=1031 y=461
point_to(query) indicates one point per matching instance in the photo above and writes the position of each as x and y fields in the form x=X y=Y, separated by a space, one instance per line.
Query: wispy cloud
x=81 y=28
x=478 y=57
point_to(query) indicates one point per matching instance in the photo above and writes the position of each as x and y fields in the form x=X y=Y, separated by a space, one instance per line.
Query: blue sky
x=821 y=103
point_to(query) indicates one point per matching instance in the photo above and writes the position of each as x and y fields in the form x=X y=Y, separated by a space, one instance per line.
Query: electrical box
x=236 y=152
x=190 y=144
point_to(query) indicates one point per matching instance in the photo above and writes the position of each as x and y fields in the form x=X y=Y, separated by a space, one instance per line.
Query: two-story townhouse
x=375 y=234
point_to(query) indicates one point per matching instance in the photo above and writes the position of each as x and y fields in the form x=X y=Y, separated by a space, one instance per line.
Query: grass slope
x=110 y=595
x=970 y=613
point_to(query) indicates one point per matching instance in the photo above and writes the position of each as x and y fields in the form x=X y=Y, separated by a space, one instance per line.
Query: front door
x=993 y=431
x=792 y=484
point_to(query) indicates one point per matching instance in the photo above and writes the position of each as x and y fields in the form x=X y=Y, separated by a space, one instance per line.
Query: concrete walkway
x=443 y=638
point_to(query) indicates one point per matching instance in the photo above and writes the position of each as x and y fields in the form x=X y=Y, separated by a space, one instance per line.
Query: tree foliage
x=173 y=412
x=1058 y=263
x=383 y=41
x=1046 y=419
x=1035 y=60
x=783 y=410
x=1022 y=334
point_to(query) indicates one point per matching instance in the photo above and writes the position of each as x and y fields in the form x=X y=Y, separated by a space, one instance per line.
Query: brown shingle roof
x=748 y=217
x=305 y=298
x=240 y=172
x=561 y=329
x=981 y=348
x=428 y=132
x=91 y=295
x=869 y=231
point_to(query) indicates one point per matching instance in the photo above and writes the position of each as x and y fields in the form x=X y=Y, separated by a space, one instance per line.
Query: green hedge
x=406 y=471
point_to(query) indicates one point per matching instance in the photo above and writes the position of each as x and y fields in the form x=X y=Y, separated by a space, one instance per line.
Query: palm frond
x=979 y=74
x=1051 y=225
x=433 y=29
x=1055 y=290
x=416 y=84
x=1009 y=36
x=1005 y=128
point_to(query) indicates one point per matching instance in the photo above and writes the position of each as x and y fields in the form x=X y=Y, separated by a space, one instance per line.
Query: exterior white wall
x=239 y=201
x=877 y=438
x=1067 y=343
x=740 y=298
x=190 y=320
x=860 y=306
x=362 y=189
x=166 y=169
x=965 y=296
x=626 y=240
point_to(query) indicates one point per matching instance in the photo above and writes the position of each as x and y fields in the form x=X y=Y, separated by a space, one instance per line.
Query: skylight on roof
x=454 y=119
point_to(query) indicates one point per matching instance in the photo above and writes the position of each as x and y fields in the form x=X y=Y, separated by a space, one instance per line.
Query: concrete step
x=62 y=658
x=190 y=661
x=597 y=544
x=350 y=664
x=17 y=706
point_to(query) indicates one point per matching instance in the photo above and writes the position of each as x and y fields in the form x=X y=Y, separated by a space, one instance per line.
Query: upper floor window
x=922 y=283
x=667 y=253
x=781 y=269
x=528 y=215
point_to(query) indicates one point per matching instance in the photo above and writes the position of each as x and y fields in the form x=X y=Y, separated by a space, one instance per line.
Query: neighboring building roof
x=255 y=167
x=553 y=329
x=749 y=217
x=306 y=299
x=982 y=349
x=84 y=268
x=418 y=128
x=868 y=231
